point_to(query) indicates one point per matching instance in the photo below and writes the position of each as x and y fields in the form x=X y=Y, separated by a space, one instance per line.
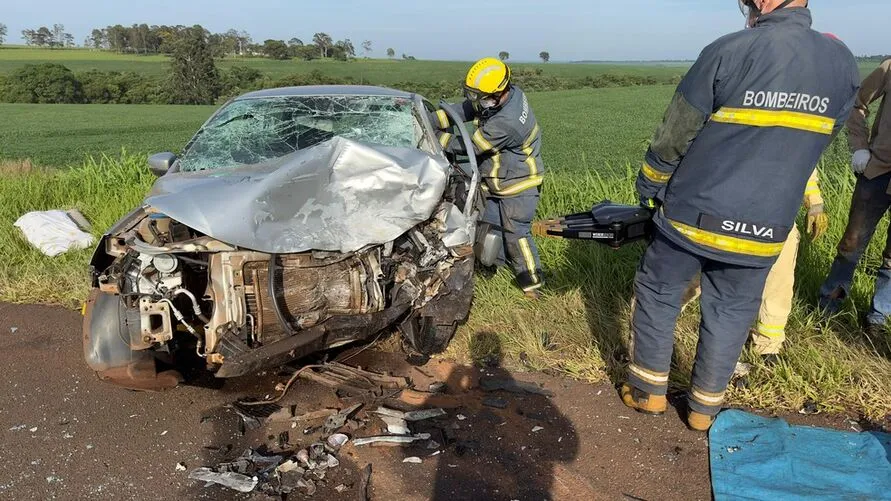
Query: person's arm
x=487 y=140
x=872 y=89
x=440 y=119
x=689 y=111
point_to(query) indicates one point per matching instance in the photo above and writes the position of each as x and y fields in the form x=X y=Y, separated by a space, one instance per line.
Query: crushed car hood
x=337 y=196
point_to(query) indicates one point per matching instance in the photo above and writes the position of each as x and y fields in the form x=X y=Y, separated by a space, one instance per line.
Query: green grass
x=64 y=134
x=593 y=143
x=376 y=71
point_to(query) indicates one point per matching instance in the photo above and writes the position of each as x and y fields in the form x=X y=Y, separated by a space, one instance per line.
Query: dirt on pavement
x=66 y=435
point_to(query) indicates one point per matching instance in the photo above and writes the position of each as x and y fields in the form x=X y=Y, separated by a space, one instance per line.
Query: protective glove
x=649 y=203
x=860 y=160
x=817 y=222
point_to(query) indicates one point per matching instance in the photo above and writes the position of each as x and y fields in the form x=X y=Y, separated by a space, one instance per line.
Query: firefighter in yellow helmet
x=507 y=144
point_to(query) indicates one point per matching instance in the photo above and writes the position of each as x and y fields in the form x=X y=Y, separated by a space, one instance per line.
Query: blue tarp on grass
x=758 y=458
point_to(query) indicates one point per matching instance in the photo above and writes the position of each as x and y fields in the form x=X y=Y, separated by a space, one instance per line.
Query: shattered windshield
x=253 y=131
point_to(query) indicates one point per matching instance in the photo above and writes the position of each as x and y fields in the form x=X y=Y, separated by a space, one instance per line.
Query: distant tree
x=391 y=53
x=504 y=55
x=324 y=42
x=306 y=52
x=58 y=36
x=69 y=40
x=545 y=56
x=366 y=47
x=42 y=83
x=41 y=37
x=194 y=78
x=295 y=42
x=97 y=39
x=2 y=33
x=276 y=49
x=344 y=49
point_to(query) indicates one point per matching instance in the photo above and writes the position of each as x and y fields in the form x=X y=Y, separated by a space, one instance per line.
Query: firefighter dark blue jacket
x=507 y=144
x=743 y=134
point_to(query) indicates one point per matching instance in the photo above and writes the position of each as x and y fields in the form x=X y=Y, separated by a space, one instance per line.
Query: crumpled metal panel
x=337 y=196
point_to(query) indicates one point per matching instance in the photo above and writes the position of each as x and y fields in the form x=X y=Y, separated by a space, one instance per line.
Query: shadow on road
x=508 y=453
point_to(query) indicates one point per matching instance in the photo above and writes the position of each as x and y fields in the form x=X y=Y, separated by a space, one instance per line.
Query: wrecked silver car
x=295 y=220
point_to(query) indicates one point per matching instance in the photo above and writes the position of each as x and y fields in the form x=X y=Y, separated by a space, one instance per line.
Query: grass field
x=377 y=71
x=593 y=142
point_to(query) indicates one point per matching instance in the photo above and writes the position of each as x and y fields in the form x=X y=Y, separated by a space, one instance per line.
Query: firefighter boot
x=699 y=422
x=642 y=402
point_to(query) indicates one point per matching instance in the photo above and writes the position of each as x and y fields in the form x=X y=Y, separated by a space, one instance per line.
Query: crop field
x=378 y=71
x=593 y=142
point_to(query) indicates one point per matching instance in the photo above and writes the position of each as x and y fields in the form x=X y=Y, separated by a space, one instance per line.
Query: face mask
x=488 y=102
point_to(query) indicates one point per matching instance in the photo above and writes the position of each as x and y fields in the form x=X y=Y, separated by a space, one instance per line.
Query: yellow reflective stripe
x=654 y=175
x=772 y=118
x=649 y=376
x=532 y=287
x=443 y=119
x=444 y=139
x=520 y=187
x=527 y=150
x=772 y=331
x=726 y=243
x=813 y=191
x=481 y=142
x=496 y=166
x=476 y=122
x=529 y=258
x=707 y=398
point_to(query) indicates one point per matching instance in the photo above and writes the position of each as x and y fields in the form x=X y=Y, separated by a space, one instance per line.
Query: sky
x=570 y=30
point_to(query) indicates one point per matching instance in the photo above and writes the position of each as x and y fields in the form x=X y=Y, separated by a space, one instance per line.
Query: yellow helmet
x=486 y=77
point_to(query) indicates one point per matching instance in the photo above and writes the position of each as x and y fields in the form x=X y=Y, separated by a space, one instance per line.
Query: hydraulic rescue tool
x=608 y=223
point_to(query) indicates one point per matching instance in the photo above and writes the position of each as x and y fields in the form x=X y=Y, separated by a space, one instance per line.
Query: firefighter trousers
x=730 y=299
x=514 y=216
x=776 y=303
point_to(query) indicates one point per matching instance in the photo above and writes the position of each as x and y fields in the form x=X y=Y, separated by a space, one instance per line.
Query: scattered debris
x=461 y=417
x=163 y=433
x=180 y=466
x=341 y=488
x=353 y=381
x=33 y=430
x=433 y=444
x=338 y=421
x=232 y=480
x=13 y=330
x=366 y=480
x=18 y=427
x=338 y=440
x=396 y=425
x=733 y=449
x=391 y=440
x=425 y=414
x=537 y=429
x=413 y=459
x=496 y=402
x=488 y=383
x=437 y=387
x=809 y=408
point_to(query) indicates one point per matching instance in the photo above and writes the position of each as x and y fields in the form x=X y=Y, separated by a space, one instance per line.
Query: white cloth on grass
x=53 y=232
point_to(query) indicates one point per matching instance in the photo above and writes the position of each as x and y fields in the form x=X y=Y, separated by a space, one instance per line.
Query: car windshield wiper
x=244 y=116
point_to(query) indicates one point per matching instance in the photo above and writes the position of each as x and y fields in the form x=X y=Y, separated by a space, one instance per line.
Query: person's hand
x=860 y=160
x=817 y=222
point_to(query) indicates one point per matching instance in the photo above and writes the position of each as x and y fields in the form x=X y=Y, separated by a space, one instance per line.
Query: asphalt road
x=66 y=435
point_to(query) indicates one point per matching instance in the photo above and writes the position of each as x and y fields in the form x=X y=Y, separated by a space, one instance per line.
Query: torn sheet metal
x=336 y=196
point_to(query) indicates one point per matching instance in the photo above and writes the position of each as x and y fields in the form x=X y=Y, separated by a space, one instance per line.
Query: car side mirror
x=160 y=163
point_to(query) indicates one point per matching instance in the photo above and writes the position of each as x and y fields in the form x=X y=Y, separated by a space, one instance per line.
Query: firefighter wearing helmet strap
x=507 y=144
x=726 y=172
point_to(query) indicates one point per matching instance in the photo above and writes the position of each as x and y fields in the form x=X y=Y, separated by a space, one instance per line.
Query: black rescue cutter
x=608 y=223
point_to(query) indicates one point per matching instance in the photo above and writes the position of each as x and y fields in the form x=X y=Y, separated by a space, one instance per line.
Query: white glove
x=860 y=161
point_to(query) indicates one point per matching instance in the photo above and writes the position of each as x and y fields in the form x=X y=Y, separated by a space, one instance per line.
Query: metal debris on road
x=413 y=459
x=424 y=414
x=396 y=425
x=180 y=466
x=339 y=420
x=337 y=441
x=341 y=488
x=391 y=440
x=537 y=429
x=235 y=481
x=12 y=330
x=353 y=381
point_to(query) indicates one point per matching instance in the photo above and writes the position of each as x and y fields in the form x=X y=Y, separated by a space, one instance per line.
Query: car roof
x=327 y=90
